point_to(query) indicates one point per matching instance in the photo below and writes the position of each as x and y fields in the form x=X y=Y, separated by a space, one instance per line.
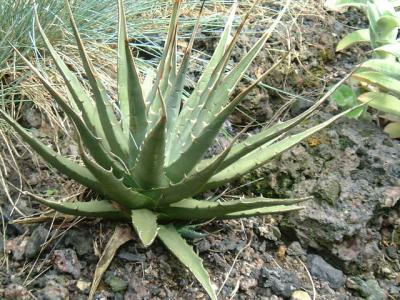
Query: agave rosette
x=145 y=155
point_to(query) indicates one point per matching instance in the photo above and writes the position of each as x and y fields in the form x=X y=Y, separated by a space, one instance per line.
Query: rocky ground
x=343 y=245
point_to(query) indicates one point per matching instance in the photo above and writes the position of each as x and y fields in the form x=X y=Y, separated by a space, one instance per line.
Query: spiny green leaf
x=108 y=120
x=91 y=209
x=92 y=143
x=269 y=134
x=358 y=36
x=62 y=164
x=279 y=209
x=178 y=246
x=173 y=98
x=194 y=181
x=169 y=41
x=263 y=154
x=205 y=81
x=81 y=99
x=114 y=187
x=132 y=104
x=190 y=209
x=187 y=122
x=145 y=224
x=148 y=169
x=199 y=144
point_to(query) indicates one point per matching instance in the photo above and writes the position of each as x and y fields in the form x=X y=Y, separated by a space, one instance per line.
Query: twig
x=311 y=279
x=234 y=262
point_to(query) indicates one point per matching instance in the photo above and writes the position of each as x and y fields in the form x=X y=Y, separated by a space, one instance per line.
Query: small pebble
x=300 y=295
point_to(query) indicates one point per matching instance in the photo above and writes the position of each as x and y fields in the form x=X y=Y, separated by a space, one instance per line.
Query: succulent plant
x=378 y=78
x=144 y=155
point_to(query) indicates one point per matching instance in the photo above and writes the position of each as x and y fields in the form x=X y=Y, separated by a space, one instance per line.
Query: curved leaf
x=144 y=222
x=358 y=36
x=393 y=129
x=379 y=79
x=385 y=66
x=185 y=254
x=191 y=209
x=263 y=154
x=393 y=48
x=130 y=96
x=91 y=209
x=382 y=102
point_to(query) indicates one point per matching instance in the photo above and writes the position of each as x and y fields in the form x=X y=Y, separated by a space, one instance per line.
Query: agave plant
x=379 y=77
x=144 y=155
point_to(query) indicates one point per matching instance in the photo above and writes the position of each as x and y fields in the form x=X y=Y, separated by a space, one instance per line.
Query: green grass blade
x=144 y=222
x=185 y=254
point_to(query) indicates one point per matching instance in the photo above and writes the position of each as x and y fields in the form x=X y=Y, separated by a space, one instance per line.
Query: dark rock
x=299 y=106
x=131 y=256
x=16 y=292
x=203 y=245
x=369 y=289
x=32 y=117
x=280 y=281
x=364 y=164
x=81 y=241
x=117 y=284
x=324 y=271
x=66 y=261
x=35 y=241
x=248 y=283
x=391 y=251
x=53 y=291
x=16 y=247
x=295 y=249
x=327 y=190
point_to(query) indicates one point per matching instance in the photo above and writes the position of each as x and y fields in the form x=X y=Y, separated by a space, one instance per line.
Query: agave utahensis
x=145 y=155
